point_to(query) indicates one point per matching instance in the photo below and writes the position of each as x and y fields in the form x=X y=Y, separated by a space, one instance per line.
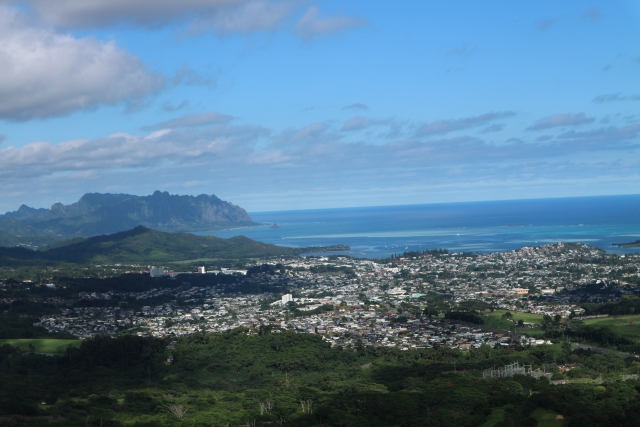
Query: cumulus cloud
x=356 y=106
x=561 y=120
x=244 y=16
x=192 y=120
x=45 y=73
x=125 y=151
x=439 y=127
x=222 y=15
x=304 y=159
x=312 y=24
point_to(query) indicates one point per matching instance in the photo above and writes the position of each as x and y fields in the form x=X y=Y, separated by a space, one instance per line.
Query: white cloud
x=312 y=24
x=45 y=73
x=233 y=162
x=245 y=17
x=561 y=120
x=224 y=16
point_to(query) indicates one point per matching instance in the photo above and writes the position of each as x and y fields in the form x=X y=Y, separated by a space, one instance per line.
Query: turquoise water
x=376 y=232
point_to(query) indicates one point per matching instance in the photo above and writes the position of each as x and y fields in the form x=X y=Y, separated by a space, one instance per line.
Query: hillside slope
x=143 y=245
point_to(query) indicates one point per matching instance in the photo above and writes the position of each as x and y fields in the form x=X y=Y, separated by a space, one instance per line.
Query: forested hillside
x=235 y=379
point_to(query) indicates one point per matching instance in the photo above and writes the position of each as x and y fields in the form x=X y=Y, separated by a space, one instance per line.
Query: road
x=602 y=350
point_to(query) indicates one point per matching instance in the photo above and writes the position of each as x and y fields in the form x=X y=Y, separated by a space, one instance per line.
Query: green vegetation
x=297 y=379
x=626 y=326
x=41 y=345
x=547 y=418
x=143 y=245
x=634 y=244
x=496 y=416
x=516 y=315
x=98 y=214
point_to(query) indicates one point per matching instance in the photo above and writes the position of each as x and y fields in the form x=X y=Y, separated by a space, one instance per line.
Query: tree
x=547 y=321
x=178 y=410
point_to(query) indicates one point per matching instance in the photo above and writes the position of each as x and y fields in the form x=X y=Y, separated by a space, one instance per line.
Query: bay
x=493 y=226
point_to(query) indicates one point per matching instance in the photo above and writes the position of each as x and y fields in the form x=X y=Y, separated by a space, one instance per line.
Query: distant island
x=635 y=244
x=99 y=214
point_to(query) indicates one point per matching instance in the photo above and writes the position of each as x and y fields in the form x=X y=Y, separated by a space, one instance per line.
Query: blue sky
x=295 y=104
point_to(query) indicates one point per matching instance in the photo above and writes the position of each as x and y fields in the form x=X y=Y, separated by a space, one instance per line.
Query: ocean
x=495 y=226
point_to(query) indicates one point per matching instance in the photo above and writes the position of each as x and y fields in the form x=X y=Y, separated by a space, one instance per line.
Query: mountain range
x=100 y=214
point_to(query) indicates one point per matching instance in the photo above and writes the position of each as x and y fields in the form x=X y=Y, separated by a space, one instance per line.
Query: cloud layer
x=440 y=127
x=234 y=15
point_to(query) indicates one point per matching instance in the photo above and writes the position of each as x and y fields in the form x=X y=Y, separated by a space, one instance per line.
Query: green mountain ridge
x=99 y=214
x=143 y=245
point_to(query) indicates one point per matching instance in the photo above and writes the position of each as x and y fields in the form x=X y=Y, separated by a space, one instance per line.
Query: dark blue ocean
x=376 y=232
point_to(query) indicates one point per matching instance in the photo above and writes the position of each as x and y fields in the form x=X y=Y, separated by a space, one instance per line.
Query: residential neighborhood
x=353 y=302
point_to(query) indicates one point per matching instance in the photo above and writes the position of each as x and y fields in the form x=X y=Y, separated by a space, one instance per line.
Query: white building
x=156 y=271
x=201 y=270
x=286 y=298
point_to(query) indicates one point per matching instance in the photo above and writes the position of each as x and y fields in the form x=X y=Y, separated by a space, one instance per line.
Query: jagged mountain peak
x=98 y=214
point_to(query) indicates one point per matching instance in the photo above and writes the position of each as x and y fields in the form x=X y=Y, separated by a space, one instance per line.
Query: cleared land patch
x=627 y=326
x=42 y=345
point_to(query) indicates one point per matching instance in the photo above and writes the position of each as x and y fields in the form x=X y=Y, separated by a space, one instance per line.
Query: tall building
x=286 y=298
x=156 y=271
x=201 y=270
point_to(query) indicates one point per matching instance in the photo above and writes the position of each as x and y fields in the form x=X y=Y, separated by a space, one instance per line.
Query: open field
x=494 y=319
x=496 y=416
x=42 y=345
x=546 y=418
x=627 y=326
x=517 y=315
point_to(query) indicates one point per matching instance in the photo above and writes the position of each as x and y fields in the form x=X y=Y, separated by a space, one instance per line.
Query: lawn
x=546 y=418
x=42 y=345
x=494 y=319
x=517 y=315
x=627 y=326
x=496 y=416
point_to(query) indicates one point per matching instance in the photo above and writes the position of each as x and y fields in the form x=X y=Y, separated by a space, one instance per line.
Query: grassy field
x=627 y=326
x=41 y=345
x=497 y=415
x=517 y=315
x=494 y=319
x=546 y=418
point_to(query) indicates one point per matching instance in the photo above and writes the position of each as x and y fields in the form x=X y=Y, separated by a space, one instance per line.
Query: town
x=352 y=301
